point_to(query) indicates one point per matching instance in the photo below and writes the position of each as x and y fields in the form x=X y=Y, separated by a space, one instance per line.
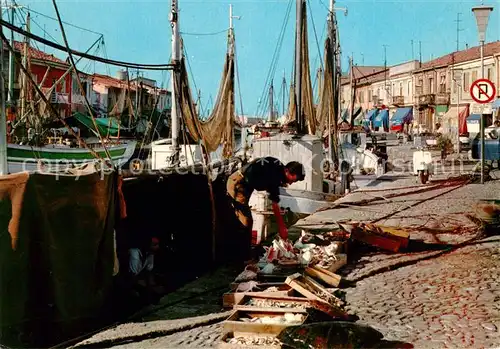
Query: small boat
x=59 y=157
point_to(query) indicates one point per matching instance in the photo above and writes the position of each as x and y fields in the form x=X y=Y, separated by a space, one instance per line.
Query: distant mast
x=298 y=69
x=176 y=58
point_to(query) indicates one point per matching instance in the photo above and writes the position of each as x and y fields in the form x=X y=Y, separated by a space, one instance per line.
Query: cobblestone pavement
x=451 y=301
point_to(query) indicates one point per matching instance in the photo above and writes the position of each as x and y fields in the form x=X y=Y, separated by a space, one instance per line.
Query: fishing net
x=307 y=100
x=218 y=128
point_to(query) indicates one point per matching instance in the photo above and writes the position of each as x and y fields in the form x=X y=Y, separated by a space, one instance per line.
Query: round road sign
x=483 y=91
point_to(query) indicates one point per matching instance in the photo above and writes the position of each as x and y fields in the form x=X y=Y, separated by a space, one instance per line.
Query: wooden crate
x=224 y=345
x=303 y=301
x=262 y=285
x=239 y=328
x=324 y=275
x=230 y=299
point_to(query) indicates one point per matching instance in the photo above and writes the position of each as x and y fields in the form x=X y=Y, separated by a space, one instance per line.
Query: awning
x=106 y=126
x=371 y=114
x=402 y=116
x=474 y=118
x=382 y=119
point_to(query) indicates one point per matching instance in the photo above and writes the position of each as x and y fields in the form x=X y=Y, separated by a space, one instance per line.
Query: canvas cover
x=56 y=254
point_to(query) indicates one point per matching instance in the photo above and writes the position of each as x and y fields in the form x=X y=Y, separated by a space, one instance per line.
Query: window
x=474 y=75
x=370 y=95
x=442 y=83
x=431 y=85
x=408 y=92
x=420 y=87
x=466 y=82
x=400 y=89
x=489 y=74
x=361 y=95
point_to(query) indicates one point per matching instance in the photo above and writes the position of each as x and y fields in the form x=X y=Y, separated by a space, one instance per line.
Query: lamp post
x=482 y=14
x=457 y=77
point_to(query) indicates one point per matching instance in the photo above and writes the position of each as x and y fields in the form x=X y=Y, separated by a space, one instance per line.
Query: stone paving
x=451 y=301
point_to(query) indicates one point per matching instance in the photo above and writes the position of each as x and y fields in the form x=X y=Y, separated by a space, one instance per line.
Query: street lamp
x=457 y=77
x=482 y=14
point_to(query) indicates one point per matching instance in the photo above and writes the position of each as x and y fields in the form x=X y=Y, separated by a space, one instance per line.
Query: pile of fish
x=270 y=303
x=264 y=341
x=287 y=319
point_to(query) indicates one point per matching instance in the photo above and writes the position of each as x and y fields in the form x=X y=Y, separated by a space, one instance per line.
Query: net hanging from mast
x=218 y=128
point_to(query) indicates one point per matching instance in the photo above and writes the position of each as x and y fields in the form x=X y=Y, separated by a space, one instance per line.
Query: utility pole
x=25 y=86
x=353 y=91
x=458 y=20
x=420 y=52
x=385 y=68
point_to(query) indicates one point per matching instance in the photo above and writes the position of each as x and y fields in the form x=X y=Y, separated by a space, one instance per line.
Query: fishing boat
x=59 y=157
x=312 y=125
x=194 y=140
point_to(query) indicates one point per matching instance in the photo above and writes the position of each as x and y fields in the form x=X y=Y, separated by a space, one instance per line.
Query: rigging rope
x=82 y=90
x=71 y=25
x=165 y=66
x=204 y=34
x=274 y=60
x=51 y=107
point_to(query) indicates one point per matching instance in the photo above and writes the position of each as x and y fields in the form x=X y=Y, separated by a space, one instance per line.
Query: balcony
x=57 y=97
x=428 y=99
x=398 y=100
x=442 y=98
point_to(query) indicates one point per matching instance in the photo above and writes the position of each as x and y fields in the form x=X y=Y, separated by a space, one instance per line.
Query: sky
x=139 y=31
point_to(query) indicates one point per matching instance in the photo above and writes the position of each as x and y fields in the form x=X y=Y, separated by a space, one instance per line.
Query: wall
x=472 y=71
x=99 y=96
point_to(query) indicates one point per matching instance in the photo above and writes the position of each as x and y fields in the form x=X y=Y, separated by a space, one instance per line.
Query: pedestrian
x=262 y=174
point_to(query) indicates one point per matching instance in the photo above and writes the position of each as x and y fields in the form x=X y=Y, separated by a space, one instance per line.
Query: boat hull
x=52 y=158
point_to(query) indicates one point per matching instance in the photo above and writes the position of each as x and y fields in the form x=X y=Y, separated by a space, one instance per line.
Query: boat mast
x=271 y=102
x=26 y=63
x=3 y=119
x=298 y=69
x=176 y=58
x=332 y=41
x=10 y=96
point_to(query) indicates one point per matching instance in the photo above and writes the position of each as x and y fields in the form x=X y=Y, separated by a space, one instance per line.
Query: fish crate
x=270 y=301
x=240 y=328
x=263 y=285
x=249 y=342
x=230 y=299
x=315 y=292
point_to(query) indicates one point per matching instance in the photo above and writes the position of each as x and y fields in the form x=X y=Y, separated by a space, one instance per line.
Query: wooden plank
x=319 y=273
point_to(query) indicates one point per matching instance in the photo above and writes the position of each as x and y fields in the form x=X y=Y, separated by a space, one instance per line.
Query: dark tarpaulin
x=56 y=255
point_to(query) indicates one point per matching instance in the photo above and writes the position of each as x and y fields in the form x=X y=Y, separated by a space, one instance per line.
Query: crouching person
x=141 y=265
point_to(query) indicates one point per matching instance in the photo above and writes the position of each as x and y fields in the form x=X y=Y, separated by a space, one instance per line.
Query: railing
x=398 y=100
x=426 y=99
x=442 y=98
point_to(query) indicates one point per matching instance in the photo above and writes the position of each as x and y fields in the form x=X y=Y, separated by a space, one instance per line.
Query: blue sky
x=139 y=31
